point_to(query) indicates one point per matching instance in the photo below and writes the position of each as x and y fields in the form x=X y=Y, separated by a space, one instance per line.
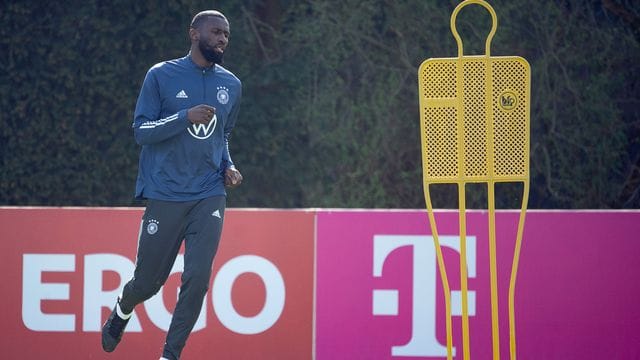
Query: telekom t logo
x=423 y=340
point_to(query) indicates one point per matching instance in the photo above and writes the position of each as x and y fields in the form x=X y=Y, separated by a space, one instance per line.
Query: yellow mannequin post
x=475 y=129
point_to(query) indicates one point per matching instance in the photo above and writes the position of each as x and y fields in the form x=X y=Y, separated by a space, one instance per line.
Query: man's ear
x=193 y=35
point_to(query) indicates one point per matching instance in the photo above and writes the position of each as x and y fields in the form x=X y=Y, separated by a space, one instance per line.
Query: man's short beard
x=209 y=54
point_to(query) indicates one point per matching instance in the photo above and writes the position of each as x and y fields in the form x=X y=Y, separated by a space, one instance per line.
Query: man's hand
x=201 y=114
x=232 y=177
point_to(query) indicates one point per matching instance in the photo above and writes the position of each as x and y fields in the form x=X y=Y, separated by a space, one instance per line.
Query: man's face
x=213 y=37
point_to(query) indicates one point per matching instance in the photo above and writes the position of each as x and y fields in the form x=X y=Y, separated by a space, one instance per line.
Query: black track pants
x=164 y=225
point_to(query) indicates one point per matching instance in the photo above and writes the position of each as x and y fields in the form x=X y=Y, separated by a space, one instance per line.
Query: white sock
x=121 y=313
x=163 y=358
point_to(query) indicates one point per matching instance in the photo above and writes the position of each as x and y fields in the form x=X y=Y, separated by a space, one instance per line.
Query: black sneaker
x=112 y=331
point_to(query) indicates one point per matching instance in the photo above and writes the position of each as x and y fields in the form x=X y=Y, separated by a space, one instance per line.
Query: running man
x=185 y=112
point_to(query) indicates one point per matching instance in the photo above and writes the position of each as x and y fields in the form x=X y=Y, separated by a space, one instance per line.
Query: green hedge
x=329 y=115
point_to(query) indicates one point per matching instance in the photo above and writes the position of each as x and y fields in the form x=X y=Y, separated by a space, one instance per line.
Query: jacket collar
x=198 y=67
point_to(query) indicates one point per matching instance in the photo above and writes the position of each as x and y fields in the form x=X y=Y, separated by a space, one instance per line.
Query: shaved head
x=203 y=15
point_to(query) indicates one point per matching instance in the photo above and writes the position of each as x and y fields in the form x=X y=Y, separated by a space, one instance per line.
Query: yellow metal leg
x=443 y=272
x=493 y=271
x=463 y=271
x=514 y=272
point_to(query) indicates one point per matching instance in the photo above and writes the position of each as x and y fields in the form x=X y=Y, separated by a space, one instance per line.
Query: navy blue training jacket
x=180 y=161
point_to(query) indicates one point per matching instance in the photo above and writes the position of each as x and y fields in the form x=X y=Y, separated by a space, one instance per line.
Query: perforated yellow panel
x=480 y=117
x=440 y=155
x=475 y=122
x=510 y=107
x=441 y=146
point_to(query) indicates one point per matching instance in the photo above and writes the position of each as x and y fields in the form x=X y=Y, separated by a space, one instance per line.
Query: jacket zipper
x=204 y=86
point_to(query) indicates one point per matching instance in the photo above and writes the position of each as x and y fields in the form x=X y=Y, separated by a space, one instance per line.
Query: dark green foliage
x=330 y=110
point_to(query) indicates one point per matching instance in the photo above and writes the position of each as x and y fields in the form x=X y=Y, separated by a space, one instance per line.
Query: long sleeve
x=228 y=127
x=148 y=127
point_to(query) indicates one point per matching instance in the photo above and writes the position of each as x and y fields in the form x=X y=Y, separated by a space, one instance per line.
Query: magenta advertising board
x=379 y=294
x=329 y=285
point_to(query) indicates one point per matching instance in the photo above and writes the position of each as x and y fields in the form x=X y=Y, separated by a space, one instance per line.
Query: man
x=184 y=115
